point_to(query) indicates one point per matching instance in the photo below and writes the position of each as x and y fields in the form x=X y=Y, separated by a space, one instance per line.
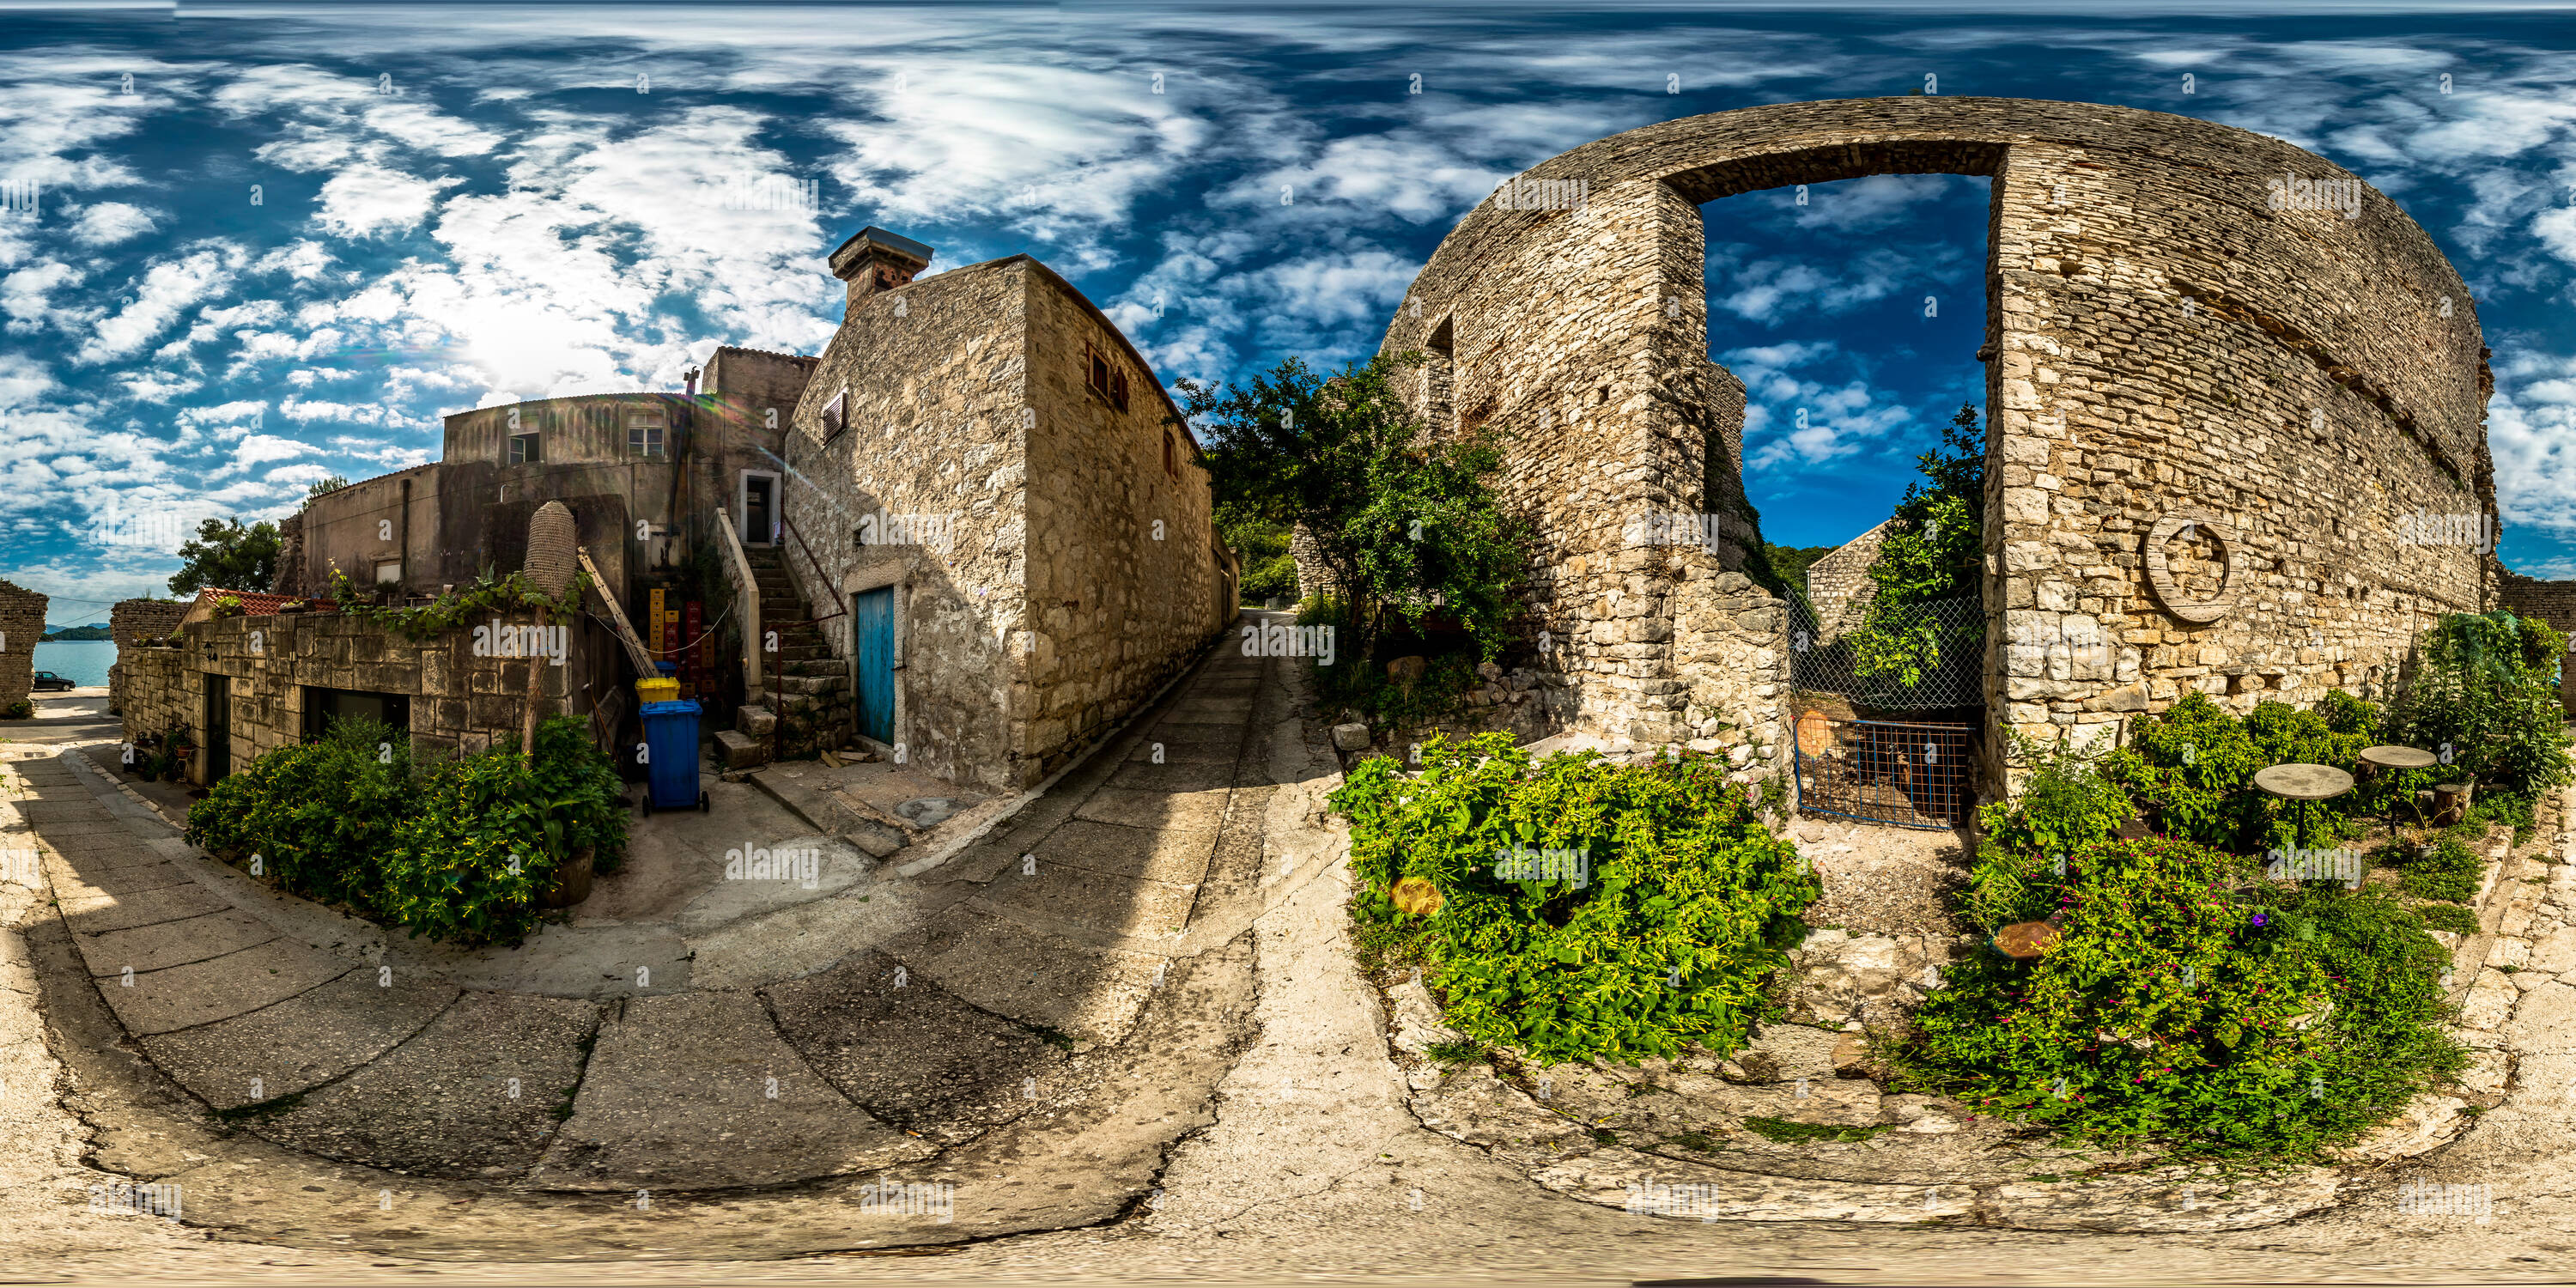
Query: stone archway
x=2159 y=336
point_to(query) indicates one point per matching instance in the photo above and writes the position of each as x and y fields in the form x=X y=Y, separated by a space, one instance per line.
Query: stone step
x=817 y=666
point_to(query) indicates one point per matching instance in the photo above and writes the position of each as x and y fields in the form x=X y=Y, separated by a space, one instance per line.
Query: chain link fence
x=1917 y=658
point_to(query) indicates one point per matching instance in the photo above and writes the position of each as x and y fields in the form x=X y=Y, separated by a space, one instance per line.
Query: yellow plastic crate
x=657 y=690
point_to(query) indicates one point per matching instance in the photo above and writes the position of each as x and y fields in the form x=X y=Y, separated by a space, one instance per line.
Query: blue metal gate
x=872 y=632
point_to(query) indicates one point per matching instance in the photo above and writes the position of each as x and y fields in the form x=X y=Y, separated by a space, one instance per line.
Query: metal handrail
x=820 y=577
x=739 y=564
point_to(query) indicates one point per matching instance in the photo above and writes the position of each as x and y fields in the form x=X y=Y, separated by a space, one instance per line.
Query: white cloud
x=168 y=288
x=107 y=222
x=367 y=199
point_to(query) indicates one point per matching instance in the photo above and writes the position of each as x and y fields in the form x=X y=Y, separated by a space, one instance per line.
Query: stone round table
x=2304 y=782
x=2398 y=757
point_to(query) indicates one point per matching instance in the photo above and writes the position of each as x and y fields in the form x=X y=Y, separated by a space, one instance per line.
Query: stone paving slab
x=441 y=1104
x=1173 y=777
x=301 y=1042
x=98 y=914
x=218 y=988
x=1064 y=897
x=130 y=879
x=1229 y=738
x=1176 y=855
x=679 y=1095
x=915 y=1054
x=174 y=943
x=1130 y=807
x=1034 y=976
x=1210 y=752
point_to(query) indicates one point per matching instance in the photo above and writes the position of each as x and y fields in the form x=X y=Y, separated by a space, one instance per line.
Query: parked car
x=48 y=680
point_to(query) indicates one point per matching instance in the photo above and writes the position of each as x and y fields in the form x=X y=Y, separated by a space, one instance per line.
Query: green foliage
x=1364 y=686
x=2445 y=868
x=1408 y=525
x=456 y=608
x=1268 y=570
x=22 y=709
x=227 y=556
x=1934 y=549
x=324 y=486
x=1785 y=1132
x=2188 y=1008
x=1792 y=562
x=2484 y=687
x=2065 y=805
x=352 y=820
x=2195 y=763
x=2447 y=916
x=1688 y=905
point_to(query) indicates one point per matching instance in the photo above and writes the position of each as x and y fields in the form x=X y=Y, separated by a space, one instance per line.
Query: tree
x=1406 y=526
x=227 y=556
x=1934 y=550
x=322 y=487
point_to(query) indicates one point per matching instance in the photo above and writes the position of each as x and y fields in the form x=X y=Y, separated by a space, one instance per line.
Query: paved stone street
x=1121 y=1027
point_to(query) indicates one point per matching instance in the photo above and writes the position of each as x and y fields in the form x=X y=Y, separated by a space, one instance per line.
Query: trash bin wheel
x=703 y=806
x=647 y=803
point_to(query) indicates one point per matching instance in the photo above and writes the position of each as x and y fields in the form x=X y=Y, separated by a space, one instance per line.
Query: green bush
x=1362 y=685
x=2447 y=916
x=320 y=816
x=2485 y=688
x=2445 y=869
x=1688 y=905
x=2194 y=764
x=461 y=850
x=22 y=709
x=2176 y=1012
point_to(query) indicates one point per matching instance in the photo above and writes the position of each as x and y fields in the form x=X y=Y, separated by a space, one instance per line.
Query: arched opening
x=1853 y=313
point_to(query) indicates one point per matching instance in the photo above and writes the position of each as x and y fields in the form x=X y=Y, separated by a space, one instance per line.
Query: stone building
x=131 y=623
x=22 y=623
x=1839 y=585
x=993 y=484
x=2211 y=399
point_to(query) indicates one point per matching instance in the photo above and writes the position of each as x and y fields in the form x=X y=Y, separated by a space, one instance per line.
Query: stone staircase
x=810 y=708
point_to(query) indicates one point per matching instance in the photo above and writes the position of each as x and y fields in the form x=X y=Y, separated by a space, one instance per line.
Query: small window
x=836 y=415
x=523 y=450
x=644 y=436
x=1171 y=455
x=1105 y=377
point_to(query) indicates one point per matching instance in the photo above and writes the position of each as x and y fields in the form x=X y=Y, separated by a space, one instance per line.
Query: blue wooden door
x=872 y=627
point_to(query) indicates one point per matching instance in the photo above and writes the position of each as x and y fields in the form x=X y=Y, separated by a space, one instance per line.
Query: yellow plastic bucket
x=658 y=690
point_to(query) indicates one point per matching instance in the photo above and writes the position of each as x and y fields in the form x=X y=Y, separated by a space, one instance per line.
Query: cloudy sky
x=274 y=243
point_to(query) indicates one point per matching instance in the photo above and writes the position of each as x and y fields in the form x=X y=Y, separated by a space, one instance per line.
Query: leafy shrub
x=2176 y=1012
x=1363 y=685
x=22 y=709
x=2447 y=916
x=2447 y=869
x=320 y=815
x=2195 y=765
x=1688 y=905
x=2511 y=809
x=2485 y=689
x=459 y=850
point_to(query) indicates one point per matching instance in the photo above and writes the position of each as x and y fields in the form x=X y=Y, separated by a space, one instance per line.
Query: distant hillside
x=93 y=631
x=1791 y=561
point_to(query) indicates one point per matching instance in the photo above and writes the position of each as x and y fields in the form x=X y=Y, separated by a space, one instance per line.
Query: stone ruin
x=2209 y=406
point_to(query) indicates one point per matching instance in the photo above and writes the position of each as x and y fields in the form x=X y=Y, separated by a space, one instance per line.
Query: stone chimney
x=877 y=260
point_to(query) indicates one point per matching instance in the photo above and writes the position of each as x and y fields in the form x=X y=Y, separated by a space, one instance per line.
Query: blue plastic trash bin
x=671 y=743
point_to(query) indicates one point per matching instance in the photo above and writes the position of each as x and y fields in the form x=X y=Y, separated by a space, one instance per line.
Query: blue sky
x=466 y=205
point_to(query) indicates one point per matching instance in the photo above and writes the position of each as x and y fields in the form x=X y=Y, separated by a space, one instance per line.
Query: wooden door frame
x=899 y=580
x=742 y=502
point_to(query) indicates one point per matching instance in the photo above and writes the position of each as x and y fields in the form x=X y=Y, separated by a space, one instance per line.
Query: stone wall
x=2553 y=602
x=1050 y=609
x=1839 y=585
x=459 y=702
x=2163 y=345
x=131 y=622
x=22 y=623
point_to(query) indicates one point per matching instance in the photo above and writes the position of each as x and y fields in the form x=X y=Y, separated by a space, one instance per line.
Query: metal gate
x=1884 y=771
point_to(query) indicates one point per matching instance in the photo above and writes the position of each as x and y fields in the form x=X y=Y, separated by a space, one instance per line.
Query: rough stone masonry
x=2206 y=416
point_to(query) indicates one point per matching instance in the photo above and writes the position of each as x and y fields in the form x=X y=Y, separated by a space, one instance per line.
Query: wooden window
x=524 y=450
x=1105 y=376
x=836 y=415
x=644 y=436
x=1171 y=455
